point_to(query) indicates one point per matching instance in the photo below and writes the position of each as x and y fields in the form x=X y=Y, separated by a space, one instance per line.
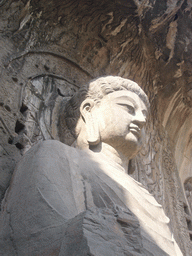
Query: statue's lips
x=135 y=131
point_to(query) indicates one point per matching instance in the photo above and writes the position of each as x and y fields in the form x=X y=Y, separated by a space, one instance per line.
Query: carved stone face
x=121 y=116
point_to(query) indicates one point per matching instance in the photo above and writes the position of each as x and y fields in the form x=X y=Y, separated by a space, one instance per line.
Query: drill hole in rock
x=19 y=126
x=23 y=108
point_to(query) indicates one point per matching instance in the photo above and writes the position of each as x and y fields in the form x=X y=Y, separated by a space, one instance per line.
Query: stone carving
x=188 y=191
x=81 y=201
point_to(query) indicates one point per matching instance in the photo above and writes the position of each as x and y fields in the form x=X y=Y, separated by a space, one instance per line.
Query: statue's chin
x=133 y=145
x=132 y=140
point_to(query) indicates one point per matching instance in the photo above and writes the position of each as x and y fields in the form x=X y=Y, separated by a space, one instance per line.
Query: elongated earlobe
x=92 y=128
x=91 y=124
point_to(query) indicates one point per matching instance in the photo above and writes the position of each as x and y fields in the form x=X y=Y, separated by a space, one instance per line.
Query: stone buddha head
x=109 y=110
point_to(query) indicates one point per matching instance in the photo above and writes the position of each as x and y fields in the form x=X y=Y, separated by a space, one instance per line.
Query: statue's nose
x=139 y=119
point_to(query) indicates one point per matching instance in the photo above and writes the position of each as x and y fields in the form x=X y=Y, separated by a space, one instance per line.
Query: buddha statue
x=80 y=200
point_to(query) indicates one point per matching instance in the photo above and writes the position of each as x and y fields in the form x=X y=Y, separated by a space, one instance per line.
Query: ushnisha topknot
x=96 y=90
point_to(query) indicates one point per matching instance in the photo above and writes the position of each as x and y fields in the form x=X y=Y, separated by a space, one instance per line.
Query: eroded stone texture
x=59 y=46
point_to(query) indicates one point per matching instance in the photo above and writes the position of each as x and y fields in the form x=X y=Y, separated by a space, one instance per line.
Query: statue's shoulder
x=51 y=149
x=50 y=144
x=46 y=157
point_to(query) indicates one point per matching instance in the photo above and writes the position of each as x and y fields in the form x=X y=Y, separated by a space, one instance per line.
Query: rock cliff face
x=48 y=49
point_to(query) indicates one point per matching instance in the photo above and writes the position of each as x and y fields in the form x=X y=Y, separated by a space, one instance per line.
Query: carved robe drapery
x=64 y=201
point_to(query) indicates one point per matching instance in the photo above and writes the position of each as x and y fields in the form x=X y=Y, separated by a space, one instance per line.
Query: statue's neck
x=112 y=155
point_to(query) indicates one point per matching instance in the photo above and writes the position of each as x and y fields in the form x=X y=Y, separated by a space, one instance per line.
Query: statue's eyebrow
x=124 y=99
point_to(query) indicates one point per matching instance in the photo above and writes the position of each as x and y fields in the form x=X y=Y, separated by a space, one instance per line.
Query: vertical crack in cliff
x=12 y=235
x=85 y=195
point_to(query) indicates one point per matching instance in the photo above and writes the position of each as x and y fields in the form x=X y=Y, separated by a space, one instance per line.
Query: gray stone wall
x=48 y=49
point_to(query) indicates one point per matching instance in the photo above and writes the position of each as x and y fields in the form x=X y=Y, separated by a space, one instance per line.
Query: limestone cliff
x=49 y=48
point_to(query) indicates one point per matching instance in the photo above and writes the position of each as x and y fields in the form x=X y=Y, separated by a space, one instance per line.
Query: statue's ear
x=90 y=120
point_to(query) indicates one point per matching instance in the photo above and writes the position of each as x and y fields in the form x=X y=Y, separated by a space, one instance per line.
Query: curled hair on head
x=96 y=90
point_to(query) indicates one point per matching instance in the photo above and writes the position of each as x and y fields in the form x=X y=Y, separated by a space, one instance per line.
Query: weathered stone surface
x=62 y=44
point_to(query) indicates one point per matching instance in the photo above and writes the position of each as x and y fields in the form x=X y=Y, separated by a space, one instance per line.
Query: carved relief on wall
x=188 y=210
x=47 y=85
x=188 y=191
x=147 y=165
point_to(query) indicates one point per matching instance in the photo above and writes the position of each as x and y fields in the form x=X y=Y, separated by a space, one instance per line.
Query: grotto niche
x=82 y=199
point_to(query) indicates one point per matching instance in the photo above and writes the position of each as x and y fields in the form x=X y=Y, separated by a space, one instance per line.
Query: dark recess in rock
x=19 y=126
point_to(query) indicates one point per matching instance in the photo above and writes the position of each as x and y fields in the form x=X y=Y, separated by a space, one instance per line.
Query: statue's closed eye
x=129 y=107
